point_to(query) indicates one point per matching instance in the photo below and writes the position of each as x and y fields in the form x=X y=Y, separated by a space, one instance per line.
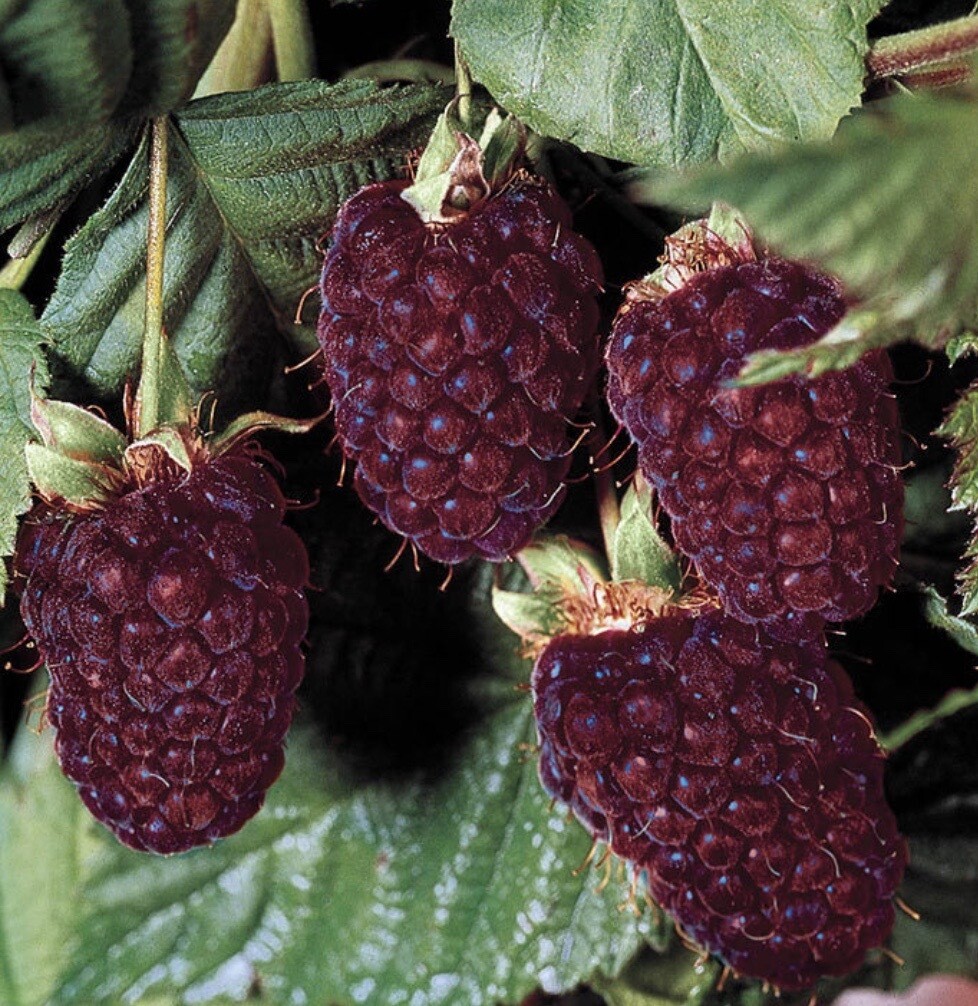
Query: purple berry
x=741 y=774
x=170 y=620
x=455 y=355
x=786 y=496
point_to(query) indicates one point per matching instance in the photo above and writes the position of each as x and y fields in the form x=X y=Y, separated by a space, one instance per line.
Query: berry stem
x=295 y=54
x=609 y=513
x=244 y=59
x=463 y=89
x=946 y=75
x=914 y=50
x=149 y=382
x=952 y=703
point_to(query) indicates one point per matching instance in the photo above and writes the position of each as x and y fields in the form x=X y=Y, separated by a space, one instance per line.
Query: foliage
x=669 y=83
x=409 y=854
x=21 y=359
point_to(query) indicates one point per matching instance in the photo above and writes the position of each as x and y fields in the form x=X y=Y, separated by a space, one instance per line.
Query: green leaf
x=174 y=41
x=961 y=428
x=81 y=73
x=932 y=785
x=453 y=881
x=67 y=59
x=20 y=356
x=255 y=180
x=902 y=239
x=639 y=551
x=43 y=165
x=653 y=979
x=669 y=83
x=42 y=839
x=930 y=948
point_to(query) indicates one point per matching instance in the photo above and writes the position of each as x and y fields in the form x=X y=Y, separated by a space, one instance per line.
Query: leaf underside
x=890 y=206
x=21 y=353
x=77 y=76
x=254 y=182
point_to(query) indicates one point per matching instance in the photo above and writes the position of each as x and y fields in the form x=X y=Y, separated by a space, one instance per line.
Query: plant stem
x=244 y=59
x=463 y=88
x=148 y=396
x=295 y=54
x=935 y=77
x=952 y=703
x=609 y=513
x=914 y=50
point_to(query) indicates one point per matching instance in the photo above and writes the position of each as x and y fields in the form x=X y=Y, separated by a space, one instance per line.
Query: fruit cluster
x=740 y=774
x=722 y=753
x=170 y=621
x=455 y=356
x=716 y=748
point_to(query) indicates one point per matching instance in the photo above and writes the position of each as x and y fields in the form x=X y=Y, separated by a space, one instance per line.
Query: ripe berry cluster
x=722 y=754
x=170 y=621
x=740 y=774
x=455 y=355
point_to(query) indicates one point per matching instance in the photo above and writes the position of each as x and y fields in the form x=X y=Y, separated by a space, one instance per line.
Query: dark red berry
x=741 y=774
x=455 y=355
x=170 y=621
x=786 y=496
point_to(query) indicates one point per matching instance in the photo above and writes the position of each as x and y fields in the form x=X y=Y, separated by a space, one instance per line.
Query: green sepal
x=457 y=172
x=503 y=142
x=58 y=477
x=559 y=569
x=530 y=616
x=451 y=194
x=562 y=563
x=639 y=552
x=442 y=148
x=174 y=441
x=74 y=432
x=80 y=459
x=722 y=238
x=251 y=422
